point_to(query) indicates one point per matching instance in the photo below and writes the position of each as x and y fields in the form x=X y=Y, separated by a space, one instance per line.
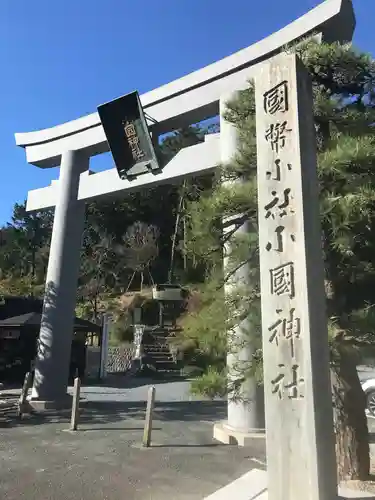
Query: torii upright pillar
x=56 y=331
x=245 y=409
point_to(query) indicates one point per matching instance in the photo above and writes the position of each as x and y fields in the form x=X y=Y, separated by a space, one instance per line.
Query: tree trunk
x=184 y=239
x=175 y=234
x=96 y=309
x=33 y=263
x=350 y=421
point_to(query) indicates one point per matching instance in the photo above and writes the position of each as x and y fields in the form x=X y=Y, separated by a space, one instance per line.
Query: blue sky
x=61 y=58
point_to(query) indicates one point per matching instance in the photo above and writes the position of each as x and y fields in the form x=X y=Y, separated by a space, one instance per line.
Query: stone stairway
x=156 y=352
x=160 y=357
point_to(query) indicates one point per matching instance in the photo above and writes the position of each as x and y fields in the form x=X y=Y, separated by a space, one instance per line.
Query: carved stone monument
x=299 y=426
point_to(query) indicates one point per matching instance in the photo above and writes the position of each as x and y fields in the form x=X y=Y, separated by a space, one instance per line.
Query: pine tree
x=343 y=88
x=23 y=244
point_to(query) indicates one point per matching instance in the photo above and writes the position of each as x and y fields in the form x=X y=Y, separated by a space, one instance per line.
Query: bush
x=122 y=329
x=211 y=384
x=191 y=371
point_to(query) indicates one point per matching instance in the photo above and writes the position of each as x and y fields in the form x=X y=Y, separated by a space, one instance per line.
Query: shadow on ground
x=113 y=381
x=123 y=381
x=108 y=412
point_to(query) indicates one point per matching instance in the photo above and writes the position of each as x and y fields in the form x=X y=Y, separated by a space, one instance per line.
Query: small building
x=20 y=319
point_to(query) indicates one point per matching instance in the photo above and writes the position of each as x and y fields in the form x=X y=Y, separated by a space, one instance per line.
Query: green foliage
x=122 y=330
x=20 y=286
x=211 y=384
x=182 y=138
x=107 y=258
x=24 y=244
x=344 y=111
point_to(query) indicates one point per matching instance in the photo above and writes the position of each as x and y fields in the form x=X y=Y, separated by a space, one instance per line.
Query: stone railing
x=119 y=360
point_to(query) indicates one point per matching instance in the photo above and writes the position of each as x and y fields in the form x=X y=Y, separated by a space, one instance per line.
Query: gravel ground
x=41 y=459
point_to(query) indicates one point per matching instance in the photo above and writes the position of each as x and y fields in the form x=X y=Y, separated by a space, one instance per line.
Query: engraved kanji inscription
x=137 y=152
x=275 y=135
x=282 y=280
x=278 y=245
x=291 y=386
x=130 y=129
x=288 y=328
x=133 y=141
x=279 y=207
x=275 y=173
x=295 y=386
x=278 y=383
x=276 y=99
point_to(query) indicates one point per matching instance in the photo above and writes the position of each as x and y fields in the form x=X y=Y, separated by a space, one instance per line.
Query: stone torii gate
x=193 y=98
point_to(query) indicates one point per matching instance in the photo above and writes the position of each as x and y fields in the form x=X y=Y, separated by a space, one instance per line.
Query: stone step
x=253 y=486
x=163 y=352
x=158 y=352
x=155 y=347
x=158 y=336
x=160 y=360
x=159 y=343
x=165 y=366
x=163 y=360
x=151 y=354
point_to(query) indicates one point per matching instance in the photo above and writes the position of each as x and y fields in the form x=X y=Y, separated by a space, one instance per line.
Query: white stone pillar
x=244 y=414
x=106 y=323
x=301 y=460
x=55 y=338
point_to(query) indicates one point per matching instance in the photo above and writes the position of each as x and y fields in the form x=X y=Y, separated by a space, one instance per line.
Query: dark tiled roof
x=34 y=319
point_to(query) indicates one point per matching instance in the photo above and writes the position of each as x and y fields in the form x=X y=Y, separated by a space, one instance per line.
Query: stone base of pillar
x=37 y=405
x=227 y=435
x=253 y=486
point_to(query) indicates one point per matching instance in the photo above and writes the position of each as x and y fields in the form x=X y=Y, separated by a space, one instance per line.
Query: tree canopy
x=108 y=257
x=344 y=110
